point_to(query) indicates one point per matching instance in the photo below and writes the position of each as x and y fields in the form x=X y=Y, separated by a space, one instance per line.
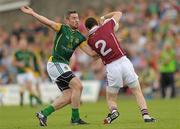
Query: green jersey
x=65 y=42
x=25 y=57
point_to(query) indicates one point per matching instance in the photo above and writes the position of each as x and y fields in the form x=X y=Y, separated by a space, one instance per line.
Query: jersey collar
x=93 y=29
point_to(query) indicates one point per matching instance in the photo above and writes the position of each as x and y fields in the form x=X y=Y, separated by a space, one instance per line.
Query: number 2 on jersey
x=103 y=51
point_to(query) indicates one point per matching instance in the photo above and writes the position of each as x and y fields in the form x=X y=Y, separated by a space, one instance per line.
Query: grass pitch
x=167 y=113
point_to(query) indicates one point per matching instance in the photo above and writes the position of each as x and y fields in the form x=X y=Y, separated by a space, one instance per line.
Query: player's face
x=73 y=21
x=23 y=44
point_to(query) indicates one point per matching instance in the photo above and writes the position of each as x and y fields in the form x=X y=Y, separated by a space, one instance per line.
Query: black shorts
x=63 y=80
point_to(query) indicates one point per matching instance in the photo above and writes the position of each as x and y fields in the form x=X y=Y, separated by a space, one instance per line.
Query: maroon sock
x=144 y=112
x=113 y=108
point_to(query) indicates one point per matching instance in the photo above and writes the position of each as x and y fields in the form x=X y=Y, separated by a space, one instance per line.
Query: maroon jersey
x=103 y=40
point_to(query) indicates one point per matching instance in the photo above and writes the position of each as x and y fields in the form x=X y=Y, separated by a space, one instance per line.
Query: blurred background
x=149 y=32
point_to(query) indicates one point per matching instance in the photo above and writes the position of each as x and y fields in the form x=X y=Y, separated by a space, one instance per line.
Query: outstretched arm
x=55 y=26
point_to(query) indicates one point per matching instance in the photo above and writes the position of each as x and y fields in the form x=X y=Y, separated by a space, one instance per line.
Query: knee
x=76 y=85
x=80 y=87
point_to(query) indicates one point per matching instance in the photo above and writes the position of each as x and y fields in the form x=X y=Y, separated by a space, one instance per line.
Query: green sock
x=38 y=100
x=48 y=110
x=30 y=100
x=75 y=114
x=21 y=99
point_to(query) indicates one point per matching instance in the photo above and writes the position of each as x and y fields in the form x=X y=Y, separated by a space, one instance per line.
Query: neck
x=74 y=29
x=94 y=27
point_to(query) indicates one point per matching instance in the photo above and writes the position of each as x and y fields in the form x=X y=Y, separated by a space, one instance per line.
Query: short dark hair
x=90 y=22
x=69 y=12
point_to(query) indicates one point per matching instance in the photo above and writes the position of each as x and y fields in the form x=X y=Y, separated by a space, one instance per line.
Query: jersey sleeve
x=113 y=22
x=82 y=39
x=83 y=44
x=110 y=23
x=58 y=27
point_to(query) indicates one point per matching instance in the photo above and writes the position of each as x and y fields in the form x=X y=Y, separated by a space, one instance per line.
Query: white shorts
x=120 y=72
x=38 y=80
x=24 y=77
x=56 y=69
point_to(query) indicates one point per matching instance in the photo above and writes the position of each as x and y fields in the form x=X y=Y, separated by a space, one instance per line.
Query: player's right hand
x=27 y=10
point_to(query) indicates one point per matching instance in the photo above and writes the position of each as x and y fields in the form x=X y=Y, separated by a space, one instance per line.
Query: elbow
x=94 y=54
x=119 y=13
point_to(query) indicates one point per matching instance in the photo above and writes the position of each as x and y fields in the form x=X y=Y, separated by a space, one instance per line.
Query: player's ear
x=65 y=20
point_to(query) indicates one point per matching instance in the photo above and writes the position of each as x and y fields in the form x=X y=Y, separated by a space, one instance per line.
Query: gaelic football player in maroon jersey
x=119 y=69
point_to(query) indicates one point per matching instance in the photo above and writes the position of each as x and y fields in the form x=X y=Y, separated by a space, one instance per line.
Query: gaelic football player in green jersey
x=67 y=39
x=23 y=62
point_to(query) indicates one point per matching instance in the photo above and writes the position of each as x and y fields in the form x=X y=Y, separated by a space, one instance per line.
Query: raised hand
x=27 y=10
x=42 y=19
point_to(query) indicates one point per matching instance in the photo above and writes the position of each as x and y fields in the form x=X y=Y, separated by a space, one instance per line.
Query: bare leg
x=72 y=96
x=139 y=97
x=58 y=103
x=111 y=100
x=63 y=100
x=76 y=87
x=111 y=97
x=136 y=90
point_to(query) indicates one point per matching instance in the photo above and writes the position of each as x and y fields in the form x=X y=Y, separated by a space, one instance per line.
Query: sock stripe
x=113 y=108
x=144 y=112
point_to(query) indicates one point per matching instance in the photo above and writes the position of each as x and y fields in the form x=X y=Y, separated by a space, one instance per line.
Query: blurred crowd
x=147 y=29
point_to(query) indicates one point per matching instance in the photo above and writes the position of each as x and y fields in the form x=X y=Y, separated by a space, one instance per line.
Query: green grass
x=167 y=113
